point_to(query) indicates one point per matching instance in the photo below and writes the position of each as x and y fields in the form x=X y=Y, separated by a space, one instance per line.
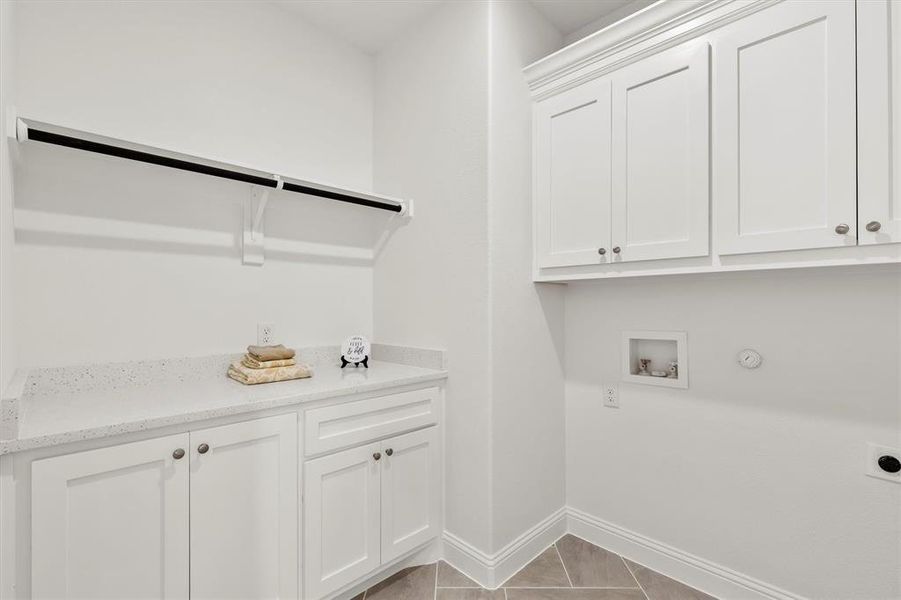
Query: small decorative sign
x=355 y=350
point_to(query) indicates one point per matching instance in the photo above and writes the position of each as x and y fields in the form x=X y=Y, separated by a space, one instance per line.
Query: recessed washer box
x=661 y=348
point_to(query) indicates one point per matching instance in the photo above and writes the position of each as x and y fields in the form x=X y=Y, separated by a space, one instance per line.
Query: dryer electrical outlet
x=887 y=468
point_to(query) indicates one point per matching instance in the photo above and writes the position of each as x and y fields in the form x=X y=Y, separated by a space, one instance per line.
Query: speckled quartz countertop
x=58 y=406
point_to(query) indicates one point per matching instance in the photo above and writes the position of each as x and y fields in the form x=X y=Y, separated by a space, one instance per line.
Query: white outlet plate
x=611 y=395
x=874 y=451
x=265 y=334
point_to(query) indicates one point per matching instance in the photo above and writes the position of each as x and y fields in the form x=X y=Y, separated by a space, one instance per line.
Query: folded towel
x=239 y=372
x=266 y=353
x=252 y=363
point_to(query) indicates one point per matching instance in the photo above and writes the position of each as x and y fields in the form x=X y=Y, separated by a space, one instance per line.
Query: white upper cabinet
x=112 y=523
x=784 y=139
x=244 y=512
x=879 y=120
x=572 y=177
x=660 y=156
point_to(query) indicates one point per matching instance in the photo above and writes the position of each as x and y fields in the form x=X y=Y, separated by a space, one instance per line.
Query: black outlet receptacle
x=889 y=463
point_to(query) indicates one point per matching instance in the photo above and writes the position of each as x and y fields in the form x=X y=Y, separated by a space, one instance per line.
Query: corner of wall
x=7 y=230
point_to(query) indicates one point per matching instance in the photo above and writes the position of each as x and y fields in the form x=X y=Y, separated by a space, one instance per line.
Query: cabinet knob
x=874 y=226
x=178 y=454
x=602 y=251
x=377 y=455
x=617 y=249
x=389 y=451
x=203 y=448
x=842 y=229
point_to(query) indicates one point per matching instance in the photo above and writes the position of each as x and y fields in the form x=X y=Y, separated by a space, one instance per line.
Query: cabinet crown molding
x=648 y=31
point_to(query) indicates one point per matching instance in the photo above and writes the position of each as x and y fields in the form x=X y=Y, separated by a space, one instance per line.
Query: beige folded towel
x=252 y=363
x=267 y=353
x=239 y=372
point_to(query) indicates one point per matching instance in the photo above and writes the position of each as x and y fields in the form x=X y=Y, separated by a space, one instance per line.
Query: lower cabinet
x=244 y=510
x=206 y=514
x=111 y=523
x=366 y=506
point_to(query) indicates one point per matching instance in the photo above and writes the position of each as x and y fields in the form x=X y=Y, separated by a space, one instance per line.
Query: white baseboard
x=491 y=570
x=697 y=572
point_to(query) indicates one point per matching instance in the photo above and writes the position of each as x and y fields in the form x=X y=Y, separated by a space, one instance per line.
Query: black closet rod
x=40 y=135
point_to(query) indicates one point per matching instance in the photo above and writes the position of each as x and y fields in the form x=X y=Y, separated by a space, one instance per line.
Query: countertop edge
x=10 y=446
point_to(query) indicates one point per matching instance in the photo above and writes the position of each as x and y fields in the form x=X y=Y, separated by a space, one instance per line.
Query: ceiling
x=569 y=16
x=371 y=25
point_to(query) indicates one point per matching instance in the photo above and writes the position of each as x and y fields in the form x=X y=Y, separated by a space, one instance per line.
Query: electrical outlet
x=883 y=462
x=265 y=334
x=611 y=395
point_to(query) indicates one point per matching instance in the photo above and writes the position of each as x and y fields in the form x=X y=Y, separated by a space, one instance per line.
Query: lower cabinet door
x=112 y=523
x=341 y=519
x=244 y=511
x=411 y=492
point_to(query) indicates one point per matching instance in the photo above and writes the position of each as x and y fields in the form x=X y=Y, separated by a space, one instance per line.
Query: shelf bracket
x=254 y=212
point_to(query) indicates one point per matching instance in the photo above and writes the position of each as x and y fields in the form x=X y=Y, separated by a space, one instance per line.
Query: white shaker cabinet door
x=879 y=120
x=784 y=128
x=411 y=492
x=572 y=177
x=112 y=523
x=660 y=156
x=341 y=519
x=244 y=510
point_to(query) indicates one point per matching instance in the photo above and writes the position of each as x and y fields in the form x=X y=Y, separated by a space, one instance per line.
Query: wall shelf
x=29 y=130
x=36 y=131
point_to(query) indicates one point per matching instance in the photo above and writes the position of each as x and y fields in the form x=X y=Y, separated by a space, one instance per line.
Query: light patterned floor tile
x=547 y=577
x=468 y=594
x=591 y=566
x=661 y=587
x=451 y=577
x=415 y=583
x=545 y=571
x=574 y=594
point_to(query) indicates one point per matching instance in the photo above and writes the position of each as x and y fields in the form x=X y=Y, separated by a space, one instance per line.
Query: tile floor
x=571 y=569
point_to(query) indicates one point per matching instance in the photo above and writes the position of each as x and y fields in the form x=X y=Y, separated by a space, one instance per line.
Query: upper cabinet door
x=879 y=120
x=411 y=492
x=784 y=128
x=111 y=523
x=342 y=519
x=660 y=155
x=572 y=177
x=244 y=510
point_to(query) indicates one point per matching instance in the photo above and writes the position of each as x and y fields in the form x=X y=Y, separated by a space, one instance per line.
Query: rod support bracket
x=254 y=214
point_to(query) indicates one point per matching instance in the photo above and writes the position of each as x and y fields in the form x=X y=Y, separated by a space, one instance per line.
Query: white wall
x=760 y=471
x=245 y=82
x=612 y=17
x=526 y=320
x=431 y=282
x=452 y=129
x=7 y=234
